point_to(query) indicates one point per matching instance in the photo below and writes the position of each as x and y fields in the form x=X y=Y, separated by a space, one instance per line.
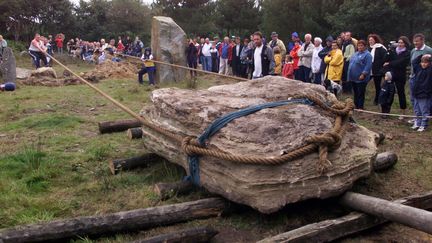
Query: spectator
x=262 y=59
x=324 y=52
x=387 y=93
x=236 y=63
x=305 y=54
x=316 y=61
x=422 y=92
x=104 y=45
x=224 y=56
x=127 y=43
x=278 y=61
x=200 y=54
x=294 y=38
x=3 y=42
x=215 y=56
x=398 y=60
x=70 y=46
x=340 y=41
x=120 y=47
x=37 y=51
x=359 y=71
x=59 y=43
x=207 y=65
x=149 y=67
x=277 y=42
x=379 y=53
x=348 y=49
x=420 y=48
x=334 y=62
x=246 y=57
x=192 y=57
x=296 y=58
x=288 y=68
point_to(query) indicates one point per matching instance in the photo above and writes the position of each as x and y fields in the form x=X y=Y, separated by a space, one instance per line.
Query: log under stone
x=118 y=126
x=143 y=161
x=192 y=235
x=168 y=190
x=266 y=133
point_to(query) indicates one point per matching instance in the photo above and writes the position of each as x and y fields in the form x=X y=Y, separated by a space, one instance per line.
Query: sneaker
x=415 y=127
x=412 y=121
x=421 y=129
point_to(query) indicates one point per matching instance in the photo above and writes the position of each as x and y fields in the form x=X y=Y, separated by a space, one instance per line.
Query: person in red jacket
x=296 y=58
x=120 y=47
x=288 y=67
x=59 y=43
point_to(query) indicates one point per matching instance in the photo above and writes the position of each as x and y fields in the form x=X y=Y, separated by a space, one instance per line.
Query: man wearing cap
x=294 y=38
x=277 y=42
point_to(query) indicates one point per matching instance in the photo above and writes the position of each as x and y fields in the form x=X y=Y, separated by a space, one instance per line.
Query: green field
x=54 y=163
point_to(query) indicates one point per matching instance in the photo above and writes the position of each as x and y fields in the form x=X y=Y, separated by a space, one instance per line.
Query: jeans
x=201 y=61
x=150 y=71
x=422 y=107
x=60 y=50
x=304 y=74
x=207 y=65
x=37 y=56
x=359 y=94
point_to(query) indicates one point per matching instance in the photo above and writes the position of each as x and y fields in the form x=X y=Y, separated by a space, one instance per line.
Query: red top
x=288 y=70
x=120 y=47
x=59 y=42
x=295 y=56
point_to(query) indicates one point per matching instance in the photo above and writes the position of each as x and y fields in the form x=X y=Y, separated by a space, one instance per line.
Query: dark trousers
x=297 y=74
x=193 y=64
x=377 y=83
x=150 y=71
x=236 y=66
x=317 y=78
x=304 y=74
x=359 y=94
x=37 y=56
x=400 y=88
x=347 y=86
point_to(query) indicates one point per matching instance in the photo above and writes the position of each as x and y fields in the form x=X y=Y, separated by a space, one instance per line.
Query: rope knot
x=331 y=139
x=185 y=145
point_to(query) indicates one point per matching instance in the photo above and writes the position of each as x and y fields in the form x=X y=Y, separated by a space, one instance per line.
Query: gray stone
x=269 y=132
x=8 y=65
x=23 y=73
x=168 y=42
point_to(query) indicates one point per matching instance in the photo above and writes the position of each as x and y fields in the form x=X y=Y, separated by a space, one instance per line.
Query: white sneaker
x=415 y=127
x=412 y=121
x=421 y=129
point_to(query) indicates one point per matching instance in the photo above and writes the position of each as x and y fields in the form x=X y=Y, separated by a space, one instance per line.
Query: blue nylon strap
x=221 y=122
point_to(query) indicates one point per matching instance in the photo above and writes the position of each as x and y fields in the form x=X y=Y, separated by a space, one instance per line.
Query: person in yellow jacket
x=278 y=60
x=333 y=75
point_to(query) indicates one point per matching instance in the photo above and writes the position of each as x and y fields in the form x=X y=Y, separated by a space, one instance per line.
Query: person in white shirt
x=37 y=51
x=316 y=61
x=263 y=61
x=207 y=55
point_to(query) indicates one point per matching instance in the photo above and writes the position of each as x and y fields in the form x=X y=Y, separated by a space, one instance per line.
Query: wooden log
x=168 y=190
x=118 y=126
x=135 y=133
x=329 y=230
x=413 y=217
x=133 y=220
x=193 y=235
x=142 y=161
x=385 y=161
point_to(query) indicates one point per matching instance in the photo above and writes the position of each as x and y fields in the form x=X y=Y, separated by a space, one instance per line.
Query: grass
x=53 y=162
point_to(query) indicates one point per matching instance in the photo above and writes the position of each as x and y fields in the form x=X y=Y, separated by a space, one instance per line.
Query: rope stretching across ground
x=324 y=143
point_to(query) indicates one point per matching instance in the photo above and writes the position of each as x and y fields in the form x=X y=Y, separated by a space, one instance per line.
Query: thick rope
x=324 y=143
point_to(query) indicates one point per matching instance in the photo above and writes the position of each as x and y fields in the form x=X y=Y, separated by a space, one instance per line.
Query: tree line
x=93 y=19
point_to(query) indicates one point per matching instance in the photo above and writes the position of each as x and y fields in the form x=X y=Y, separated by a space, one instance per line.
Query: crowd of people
x=342 y=64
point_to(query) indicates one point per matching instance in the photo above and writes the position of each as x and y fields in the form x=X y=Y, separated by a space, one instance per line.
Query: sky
x=145 y=1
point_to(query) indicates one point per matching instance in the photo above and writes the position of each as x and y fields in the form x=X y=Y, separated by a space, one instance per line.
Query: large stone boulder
x=269 y=133
x=44 y=76
x=23 y=73
x=7 y=65
x=168 y=42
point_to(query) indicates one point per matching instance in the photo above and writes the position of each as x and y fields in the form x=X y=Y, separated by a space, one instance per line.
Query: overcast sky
x=145 y=1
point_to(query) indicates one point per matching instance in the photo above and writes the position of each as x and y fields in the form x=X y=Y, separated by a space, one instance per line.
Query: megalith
x=7 y=65
x=168 y=42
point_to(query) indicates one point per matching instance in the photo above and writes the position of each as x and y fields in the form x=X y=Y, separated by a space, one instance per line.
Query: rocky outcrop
x=168 y=42
x=269 y=132
x=23 y=73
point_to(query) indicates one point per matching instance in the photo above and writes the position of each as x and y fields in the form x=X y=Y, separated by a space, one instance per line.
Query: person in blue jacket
x=359 y=72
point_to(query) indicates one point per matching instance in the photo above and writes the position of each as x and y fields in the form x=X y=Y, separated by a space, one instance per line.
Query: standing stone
x=168 y=42
x=7 y=65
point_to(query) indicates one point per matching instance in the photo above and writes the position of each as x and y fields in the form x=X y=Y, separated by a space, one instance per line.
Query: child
x=278 y=61
x=387 y=93
x=296 y=59
x=288 y=68
x=422 y=93
x=149 y=67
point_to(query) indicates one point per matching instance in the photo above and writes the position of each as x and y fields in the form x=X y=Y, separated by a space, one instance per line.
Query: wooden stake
x=168 y=190
x=118 y=126
x=135 y=133
x=142 y=161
